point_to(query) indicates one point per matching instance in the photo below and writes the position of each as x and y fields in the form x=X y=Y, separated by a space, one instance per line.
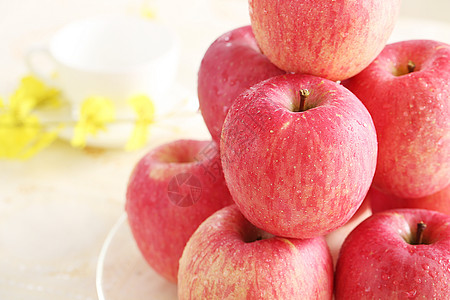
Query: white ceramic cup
x=111 y=56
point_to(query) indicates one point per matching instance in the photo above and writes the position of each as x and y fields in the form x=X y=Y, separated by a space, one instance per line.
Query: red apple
x=173 y=189
x=407 y=91
x=331 y=39
x=439 y=201
x=397 y=254
x=231 y=64
x=229 y=258
x=298 y=165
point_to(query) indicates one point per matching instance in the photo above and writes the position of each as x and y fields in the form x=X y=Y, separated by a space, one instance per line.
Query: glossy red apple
x=439 y=201
x=173 y=189
x=231 y=64
x=331 y=39
x=229 y=258
x=397 y=254
x=407 y=91
x=298 y=154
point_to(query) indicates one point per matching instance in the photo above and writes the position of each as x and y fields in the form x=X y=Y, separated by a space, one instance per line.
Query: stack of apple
x=307 y=109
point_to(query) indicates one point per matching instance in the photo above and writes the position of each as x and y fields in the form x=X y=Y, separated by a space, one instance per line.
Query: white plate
x=122 y=272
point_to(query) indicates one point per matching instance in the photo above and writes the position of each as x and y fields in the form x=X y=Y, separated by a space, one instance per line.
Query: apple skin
x=411 y=113
x=160 y=227
x=224 y=260
x=439 y=201
x=298 y=174
x=231 y=64
x=376 y=262
x=322 y=37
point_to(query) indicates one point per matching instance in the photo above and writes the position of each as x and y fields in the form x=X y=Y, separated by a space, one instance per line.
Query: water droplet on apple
x=385 y=276
x=418 y=280
x=367 y=289
x=425 y=266
x=432 y=274
x=410 y=294
x=216 y=91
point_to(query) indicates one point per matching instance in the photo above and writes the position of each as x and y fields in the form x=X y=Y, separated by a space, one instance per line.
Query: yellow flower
x=33 y=94
x=21 y=138
x=96 y=112
x=21 y=134
x=145 y=111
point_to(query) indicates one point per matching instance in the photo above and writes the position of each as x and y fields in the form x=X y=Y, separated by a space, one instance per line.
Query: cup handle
x=30 y=57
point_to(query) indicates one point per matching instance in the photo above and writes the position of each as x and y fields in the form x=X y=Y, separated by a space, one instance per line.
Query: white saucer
x=122 y=272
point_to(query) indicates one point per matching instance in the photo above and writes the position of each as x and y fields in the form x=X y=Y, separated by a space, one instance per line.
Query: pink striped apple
x=298 y=154
x=396 y=254
x=331 y=39
x=407 y=90
x=229 y=258
x=171 y=191
x=231 y=64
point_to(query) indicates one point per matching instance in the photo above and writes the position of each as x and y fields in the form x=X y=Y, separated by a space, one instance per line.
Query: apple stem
x=411 y=66
x=419 y=234
x=302 y=95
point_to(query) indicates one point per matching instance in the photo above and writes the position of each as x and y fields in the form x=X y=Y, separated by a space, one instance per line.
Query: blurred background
x=57 y=208
x=197 y=22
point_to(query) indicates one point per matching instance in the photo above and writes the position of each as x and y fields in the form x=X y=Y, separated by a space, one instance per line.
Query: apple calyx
x=411 y=66
x=421 y=226
x=300 y=98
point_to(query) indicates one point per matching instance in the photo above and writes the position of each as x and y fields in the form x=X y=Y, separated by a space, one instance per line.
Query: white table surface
x=57 y=208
